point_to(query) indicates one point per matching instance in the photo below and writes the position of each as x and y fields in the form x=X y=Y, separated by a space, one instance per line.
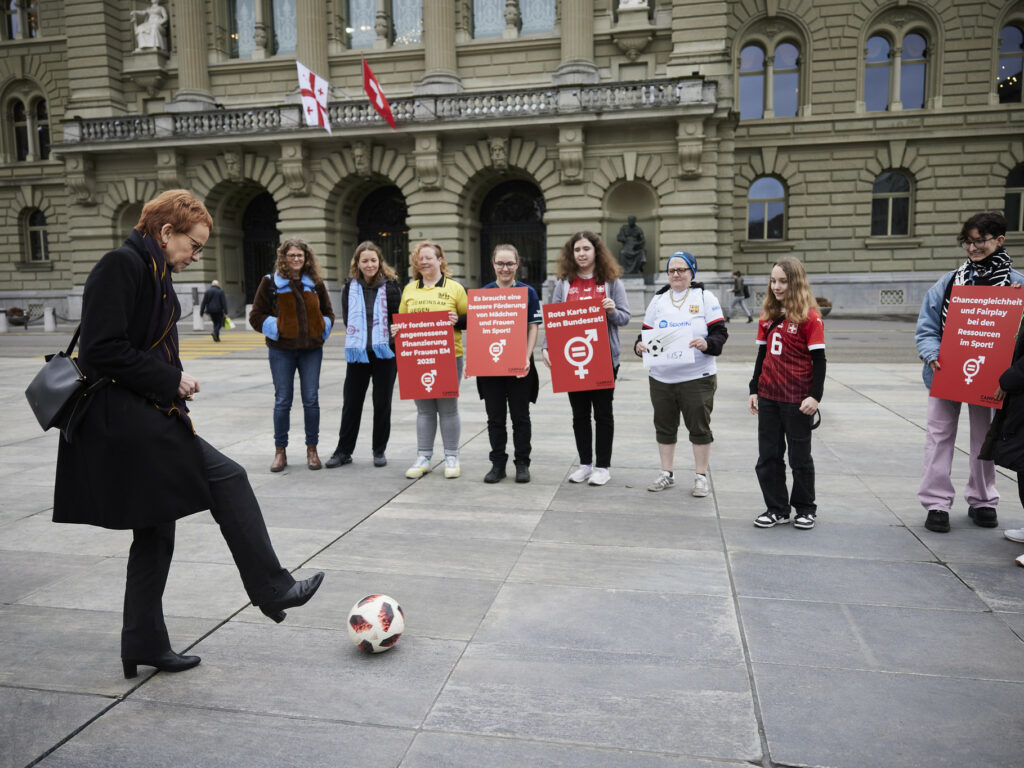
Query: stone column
x=311 y=36
x=577 y=44
x=193 y=93
x=769 y=86
x=441 y=69
x=896 y=101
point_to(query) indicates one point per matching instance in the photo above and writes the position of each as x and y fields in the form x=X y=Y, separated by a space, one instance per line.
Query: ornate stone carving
x=295 y=167
x=233 y=161
x=149 y=27
x=169 y=169
x=690 y=146
x=147 y=69
x=512 y=17
x=633 y=32
x=361 y=153
x=80 y=178
x=570 y=154
x=427 y=159
x=498 y=146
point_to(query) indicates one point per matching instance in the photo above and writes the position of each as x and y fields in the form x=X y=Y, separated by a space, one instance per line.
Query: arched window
x=895 y=78
x=766 y=209
x=42 y=129
x=21 y=21
x=890 y=205
x=752 y=83
x=876 y=74
x=1011 y=62
x=19 y=119
x=786 y=80
x=36 y=242
x=1012 y=201
x=913 y=69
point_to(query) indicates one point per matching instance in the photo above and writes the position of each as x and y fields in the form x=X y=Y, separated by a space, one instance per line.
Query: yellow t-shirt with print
x=446 y=296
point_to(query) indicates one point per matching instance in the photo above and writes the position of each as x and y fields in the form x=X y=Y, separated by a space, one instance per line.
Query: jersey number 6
x=776 y=343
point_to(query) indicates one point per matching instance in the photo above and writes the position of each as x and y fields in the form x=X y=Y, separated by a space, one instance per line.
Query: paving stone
x=1000 y=586
x=24 y=573
x=828 y=538
x=34 y=721
x=629 y=529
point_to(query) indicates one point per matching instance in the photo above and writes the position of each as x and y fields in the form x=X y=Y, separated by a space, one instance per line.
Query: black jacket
x=130 y=465
x=213 y=302
x=1004 y=443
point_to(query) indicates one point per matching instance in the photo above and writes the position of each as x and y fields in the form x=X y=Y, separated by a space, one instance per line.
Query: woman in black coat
x=135 y=460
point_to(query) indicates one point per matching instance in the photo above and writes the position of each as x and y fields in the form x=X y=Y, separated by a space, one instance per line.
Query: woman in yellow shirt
x=432 y=289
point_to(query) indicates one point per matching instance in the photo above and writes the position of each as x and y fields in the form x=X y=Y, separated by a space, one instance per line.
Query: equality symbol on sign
x=428 y=379
x=579 y=350
x=972 y=367
x=496 y=349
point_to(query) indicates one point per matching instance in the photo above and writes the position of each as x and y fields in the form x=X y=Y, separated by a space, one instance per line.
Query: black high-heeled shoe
x=297 y=595
x=168 y=661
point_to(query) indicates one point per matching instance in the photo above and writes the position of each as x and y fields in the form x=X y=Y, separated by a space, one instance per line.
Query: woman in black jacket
x=369 y=297
x=136 y=461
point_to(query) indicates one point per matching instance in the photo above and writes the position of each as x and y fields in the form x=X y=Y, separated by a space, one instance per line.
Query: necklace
x=679 y=304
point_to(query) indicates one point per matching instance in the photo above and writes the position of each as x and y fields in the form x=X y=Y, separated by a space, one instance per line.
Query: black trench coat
x=129 y=464
x=1005 y=441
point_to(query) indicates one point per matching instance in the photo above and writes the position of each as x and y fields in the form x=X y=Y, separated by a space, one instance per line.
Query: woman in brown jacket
x=292 y=309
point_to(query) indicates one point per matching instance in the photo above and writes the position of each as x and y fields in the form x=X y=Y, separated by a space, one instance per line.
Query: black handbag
x=60 y=394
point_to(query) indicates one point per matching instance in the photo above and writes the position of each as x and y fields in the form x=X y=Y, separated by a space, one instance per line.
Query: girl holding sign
x=987 y=263
x=431 y=290
x=789 y=376
x=586 y=270
x=369 y=298
x=683 y=310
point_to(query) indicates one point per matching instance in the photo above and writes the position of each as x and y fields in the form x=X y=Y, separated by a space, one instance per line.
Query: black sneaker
x=380 y=460
x=497 y=473
x=803 y=521
x=337 y=459
x=983 y=516
x=937 y=521
x=522 y=472
x=770 y=520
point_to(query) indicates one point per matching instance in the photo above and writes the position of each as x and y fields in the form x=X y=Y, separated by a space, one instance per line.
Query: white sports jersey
x=699 y=309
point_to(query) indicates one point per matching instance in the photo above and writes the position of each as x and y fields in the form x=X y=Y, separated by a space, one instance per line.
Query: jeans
x=780 y=425
x=444 y=410
x=382 y=372
x=741 y=302
x=144 y=632
x=283 y=364
x=604 y=424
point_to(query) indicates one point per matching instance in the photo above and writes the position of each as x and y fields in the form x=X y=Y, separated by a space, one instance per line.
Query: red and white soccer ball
x=375 y=623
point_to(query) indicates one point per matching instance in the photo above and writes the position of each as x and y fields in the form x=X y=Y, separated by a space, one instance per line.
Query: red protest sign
x=496 y=332
x=425 y=350
x=977 y=343
x=577 y=337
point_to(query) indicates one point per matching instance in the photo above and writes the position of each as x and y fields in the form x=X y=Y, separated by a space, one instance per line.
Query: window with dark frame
x=766 y=209
x=890 y=205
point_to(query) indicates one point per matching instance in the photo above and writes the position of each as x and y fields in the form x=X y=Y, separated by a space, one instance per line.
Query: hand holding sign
x=578 y=351
x=425 y=349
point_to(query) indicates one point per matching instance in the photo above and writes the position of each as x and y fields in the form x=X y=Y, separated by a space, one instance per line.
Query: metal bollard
x=245 y=318
x=197 y=319
x=49 y=319
x=3 y=321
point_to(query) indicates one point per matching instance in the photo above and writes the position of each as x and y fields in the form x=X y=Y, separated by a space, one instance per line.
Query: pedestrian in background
x=216 y=304
x=686 y=388
x=511 y=394
x=788 y=380
x=740 y=294
x=369 y=297
x=587 y=270
x=292 y=309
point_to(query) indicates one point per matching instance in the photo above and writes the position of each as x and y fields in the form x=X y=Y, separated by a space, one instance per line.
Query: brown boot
x=280 y=460
x=312 y=460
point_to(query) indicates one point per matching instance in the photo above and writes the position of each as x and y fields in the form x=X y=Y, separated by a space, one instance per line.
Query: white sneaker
x=665 y=480
x=1015 y=534
x=1020 y=561
x=581 y=474
x=451 y=467
x=700 y=485
x=419 y=469
x=600 y=476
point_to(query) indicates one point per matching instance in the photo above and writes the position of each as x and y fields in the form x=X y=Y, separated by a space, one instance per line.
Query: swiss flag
x=377 y=97
x=314 y=90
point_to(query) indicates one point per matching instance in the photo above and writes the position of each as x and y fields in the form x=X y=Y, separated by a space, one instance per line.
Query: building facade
x=854 y=135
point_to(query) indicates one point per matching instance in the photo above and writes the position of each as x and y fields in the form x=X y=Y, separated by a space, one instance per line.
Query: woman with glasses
x=683 y=309
x=987 y=263
x=511 y=394
x=292 y=309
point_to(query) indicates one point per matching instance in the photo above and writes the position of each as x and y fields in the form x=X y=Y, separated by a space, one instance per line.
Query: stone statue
x=632 y=255
x=149 y=33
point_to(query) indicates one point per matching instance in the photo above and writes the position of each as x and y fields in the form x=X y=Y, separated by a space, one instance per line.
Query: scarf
x=992 y=270
x=355 y=334
x=162 y=332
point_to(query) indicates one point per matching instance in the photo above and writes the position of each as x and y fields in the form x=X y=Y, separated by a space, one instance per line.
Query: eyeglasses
x=968 y=244
x=197 y=248
x=506 y=264
x=678 y=270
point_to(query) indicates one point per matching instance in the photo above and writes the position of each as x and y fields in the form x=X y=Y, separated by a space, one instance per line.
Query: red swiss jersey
x=787 y=373
x=585 y=288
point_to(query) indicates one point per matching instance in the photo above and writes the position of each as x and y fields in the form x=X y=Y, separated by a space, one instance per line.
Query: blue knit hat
x=689 y=258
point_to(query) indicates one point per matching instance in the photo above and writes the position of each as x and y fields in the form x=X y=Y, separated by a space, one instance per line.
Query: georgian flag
x=314 y=90
x=377 y=98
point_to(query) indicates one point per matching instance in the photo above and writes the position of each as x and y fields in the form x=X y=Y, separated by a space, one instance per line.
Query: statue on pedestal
x=632 y=255
x=149 y=33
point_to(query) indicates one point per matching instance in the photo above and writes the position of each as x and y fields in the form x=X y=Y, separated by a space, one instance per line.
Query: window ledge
x=770 y=246
x=898 y=241
x=36 y=266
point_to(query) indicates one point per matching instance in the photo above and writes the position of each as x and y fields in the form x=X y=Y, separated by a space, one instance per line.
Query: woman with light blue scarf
x=369 y=297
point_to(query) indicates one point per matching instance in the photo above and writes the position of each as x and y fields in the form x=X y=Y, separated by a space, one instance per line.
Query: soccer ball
x=655 y=347
x=375 y=623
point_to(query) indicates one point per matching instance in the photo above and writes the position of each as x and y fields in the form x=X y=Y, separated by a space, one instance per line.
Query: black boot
x=522 y=472
x=497 y=473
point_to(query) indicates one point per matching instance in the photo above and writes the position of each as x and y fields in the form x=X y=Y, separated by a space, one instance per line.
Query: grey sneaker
x=665 y=480
x=700 y=486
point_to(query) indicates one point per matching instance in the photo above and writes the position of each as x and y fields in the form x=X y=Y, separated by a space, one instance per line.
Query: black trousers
x=382 y=372
x=778 y=425
x=238 y=514
x=218 y=321
x=499 y=392
x=600 y=401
